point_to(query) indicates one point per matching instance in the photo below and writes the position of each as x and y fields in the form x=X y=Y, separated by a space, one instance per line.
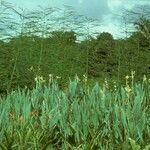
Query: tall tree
x=101 y=57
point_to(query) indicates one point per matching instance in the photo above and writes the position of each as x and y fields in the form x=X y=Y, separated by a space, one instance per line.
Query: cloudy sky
x=107 y=11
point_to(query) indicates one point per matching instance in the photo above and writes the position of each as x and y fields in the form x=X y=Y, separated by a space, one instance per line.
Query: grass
x=80 y=117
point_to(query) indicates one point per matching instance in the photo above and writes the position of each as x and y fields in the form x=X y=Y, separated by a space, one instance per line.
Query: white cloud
x=116 y=5
x=80 y=1
x=105 y=10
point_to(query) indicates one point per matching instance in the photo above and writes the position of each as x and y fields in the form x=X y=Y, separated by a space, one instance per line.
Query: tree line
x=30 y=53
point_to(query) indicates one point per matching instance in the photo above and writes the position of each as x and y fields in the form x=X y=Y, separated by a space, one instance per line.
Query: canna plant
x=136 y=146
x=79 y=117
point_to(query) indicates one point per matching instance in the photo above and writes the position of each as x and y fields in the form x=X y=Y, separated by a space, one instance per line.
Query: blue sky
x=104 y=10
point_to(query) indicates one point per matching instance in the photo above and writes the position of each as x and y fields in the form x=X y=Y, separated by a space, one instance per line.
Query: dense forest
x=35 y=47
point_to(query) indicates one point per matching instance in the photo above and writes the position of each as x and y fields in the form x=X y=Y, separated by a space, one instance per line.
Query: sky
x=108 y=12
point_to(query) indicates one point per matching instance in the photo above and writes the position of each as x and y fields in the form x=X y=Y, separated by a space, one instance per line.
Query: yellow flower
x=127 y=77
x=144 y=78
x=50 y=78
x=57 y=77
x=85 y=78
x=36 y=79
x=31 y=68
x=77 y=78
x=50 y=75
x=39 y=79
x=132 y=74
x=128 y=89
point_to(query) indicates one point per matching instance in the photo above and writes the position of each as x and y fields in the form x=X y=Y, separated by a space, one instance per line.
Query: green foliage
x=64 y=37
x=140 y=40
x=143 y=26
x=25 y=57
x=80 y=116
x=102 y=61
x=136 y=146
